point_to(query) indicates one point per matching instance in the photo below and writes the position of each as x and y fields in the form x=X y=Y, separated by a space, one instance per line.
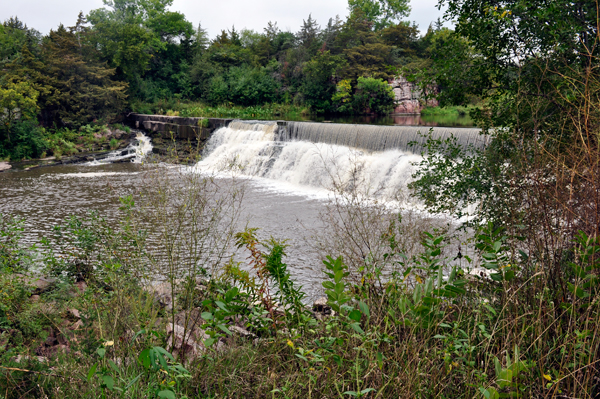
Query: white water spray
x=136 y=152
x=253 y=150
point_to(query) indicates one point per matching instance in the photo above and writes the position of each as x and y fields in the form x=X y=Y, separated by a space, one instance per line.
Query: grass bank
x=196 y=109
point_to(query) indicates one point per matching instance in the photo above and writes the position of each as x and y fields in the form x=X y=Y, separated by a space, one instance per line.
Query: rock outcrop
x=410 y=99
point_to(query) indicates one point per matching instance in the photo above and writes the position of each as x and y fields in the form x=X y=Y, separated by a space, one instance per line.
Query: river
x=287 y=189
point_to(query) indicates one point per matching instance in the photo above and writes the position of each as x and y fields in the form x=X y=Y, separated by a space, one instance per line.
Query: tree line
x=140 y=51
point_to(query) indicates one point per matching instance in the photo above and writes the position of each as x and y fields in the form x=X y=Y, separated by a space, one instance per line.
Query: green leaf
x=338 y=360
x=355 y=315
x=357 y=328
x=223 y=328
x=209 y=342
x=222 y=306
x=207 y=316
x=108 y=381
x=114 y=366
x=497 y=246
x=380 y=359
x=92 y=372
x=338 y=276
x=364 y=309
x=133 y=382
x=166 y=394
x=231 y=294
x=489 y=393
x=144 y=358
x=164 y=352
x=101 y=352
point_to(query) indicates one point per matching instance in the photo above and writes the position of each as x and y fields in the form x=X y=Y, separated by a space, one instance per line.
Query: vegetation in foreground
x=412 y=318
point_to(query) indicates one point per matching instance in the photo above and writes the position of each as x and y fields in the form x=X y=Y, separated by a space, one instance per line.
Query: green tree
x=319 y=80
x=366 y=53
x=14 y=35
x=382 y=13
x=522 y=47
x=18 y=101
x=308 y=37
x=373 y=96
x=84 y=89
x=129 y=33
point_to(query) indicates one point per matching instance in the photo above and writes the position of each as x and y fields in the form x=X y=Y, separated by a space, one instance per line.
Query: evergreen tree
x=308 y=37
x=84 y=89
x=366 y=53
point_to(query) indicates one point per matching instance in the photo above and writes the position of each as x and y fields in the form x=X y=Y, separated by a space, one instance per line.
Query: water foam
x=135 y=151
x=253 y=149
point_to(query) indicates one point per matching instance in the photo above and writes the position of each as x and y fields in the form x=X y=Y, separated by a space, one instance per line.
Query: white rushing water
x=136 y=152
x=254 y=150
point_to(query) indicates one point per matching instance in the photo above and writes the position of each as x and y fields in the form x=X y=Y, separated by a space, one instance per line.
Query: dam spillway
x=378 y=138
x=378 y=161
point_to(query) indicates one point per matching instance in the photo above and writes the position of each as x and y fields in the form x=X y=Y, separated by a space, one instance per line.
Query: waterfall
x=378 y=138
x=296 y=156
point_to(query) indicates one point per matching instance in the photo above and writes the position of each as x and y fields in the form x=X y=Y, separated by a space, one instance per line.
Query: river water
x=287 y=188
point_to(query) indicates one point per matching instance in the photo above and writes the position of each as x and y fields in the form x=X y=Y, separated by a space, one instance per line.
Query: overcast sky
x=214 y=15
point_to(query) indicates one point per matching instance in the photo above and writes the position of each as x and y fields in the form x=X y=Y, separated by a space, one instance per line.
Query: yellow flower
x=290 y=344
x=547 y=376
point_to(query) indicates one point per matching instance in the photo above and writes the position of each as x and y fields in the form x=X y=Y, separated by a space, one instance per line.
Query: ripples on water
x=284 y=194
x=44 y=197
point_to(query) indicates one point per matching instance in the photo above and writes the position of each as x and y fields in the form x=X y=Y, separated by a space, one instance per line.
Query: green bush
x=28 y=140
x=371 y=96
x=244 y=86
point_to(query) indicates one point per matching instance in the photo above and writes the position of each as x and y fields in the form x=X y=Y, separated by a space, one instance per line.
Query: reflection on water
x=452 y=120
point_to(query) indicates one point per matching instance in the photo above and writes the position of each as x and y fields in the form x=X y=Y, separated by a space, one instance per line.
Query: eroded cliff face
x=410 y=99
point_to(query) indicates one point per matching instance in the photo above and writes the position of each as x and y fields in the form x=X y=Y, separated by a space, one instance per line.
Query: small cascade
x=378 y=138
x=135 y=152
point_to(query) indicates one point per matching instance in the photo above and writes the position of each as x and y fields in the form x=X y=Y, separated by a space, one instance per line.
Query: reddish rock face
x=409 y=97
x=408 y=107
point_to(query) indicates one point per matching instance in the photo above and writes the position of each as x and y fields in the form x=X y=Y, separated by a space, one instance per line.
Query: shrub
x=28 y=141
x=373 y=96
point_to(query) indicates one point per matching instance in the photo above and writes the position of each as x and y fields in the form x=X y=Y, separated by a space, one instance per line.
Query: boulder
x=242 y=332
x=81 y=285
x=5 y=166
x=321 y=309
x=190 y=318
x=118 y=133
x=187 y=343
x=163 y=294
x=39 y=284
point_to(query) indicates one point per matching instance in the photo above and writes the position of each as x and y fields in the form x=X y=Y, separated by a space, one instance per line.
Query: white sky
x=44 y=15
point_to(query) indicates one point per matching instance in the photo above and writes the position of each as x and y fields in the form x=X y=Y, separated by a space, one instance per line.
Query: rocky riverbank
x=103 y=145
